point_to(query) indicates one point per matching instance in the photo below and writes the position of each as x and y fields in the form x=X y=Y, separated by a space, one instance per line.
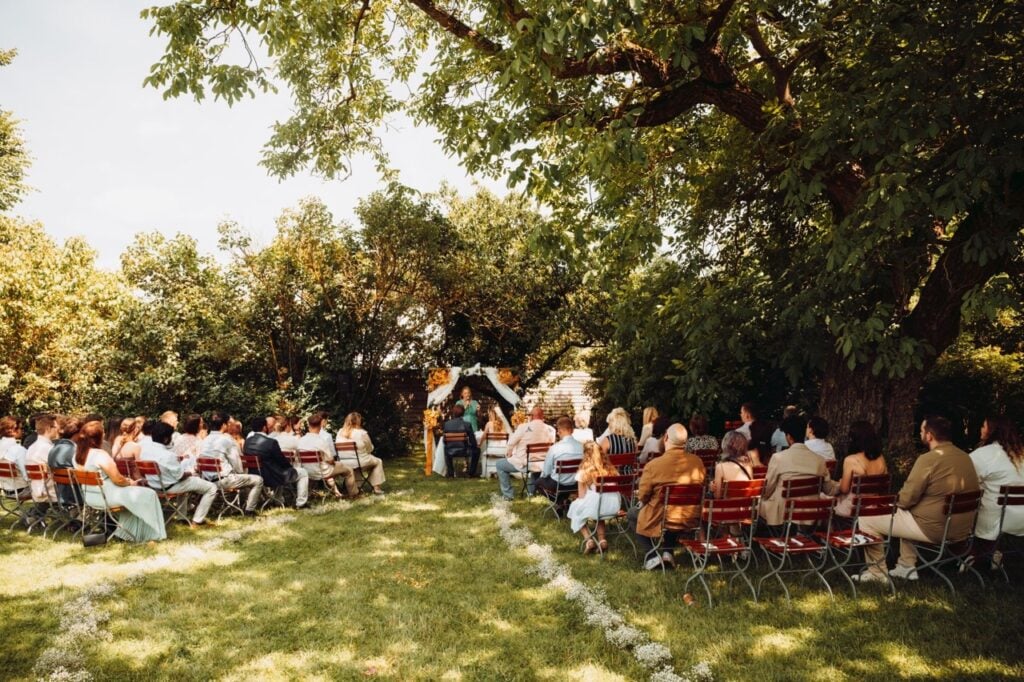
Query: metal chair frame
x=278 y=496
x=93 y=479
x=1009 y=496
x=307 y=457
x=170 y=502
x=536 y=453
x=948 y=551
x=675 y=495
x=230 y=498
x=350 y=446
x=716 y=514
x=453 y=438
x=563 y=467
x=45 y=510
x=68 y=513
x=13 y=501
x=617 y=526
x=485 y=451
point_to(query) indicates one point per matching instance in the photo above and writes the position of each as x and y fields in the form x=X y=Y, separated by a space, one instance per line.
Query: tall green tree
x=872 y=151
x=13 y=154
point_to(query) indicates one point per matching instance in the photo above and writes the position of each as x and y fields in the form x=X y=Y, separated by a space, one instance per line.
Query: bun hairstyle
x=88 y=437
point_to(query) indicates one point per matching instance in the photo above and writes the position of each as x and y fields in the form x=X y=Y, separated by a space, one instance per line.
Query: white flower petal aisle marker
x=654 y=656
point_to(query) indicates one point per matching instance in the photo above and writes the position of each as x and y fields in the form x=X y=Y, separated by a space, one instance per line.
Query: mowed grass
x=419 y=586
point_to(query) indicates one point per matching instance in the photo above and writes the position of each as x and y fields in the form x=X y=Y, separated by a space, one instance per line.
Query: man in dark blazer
x=469 y=448
x=275 y=468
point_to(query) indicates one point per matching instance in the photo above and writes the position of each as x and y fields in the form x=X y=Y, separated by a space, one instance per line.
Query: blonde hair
x=650 y=414
x=353 y=420
x=618 y=423
x=596 y=463
x=493 y=416
x=129 y=426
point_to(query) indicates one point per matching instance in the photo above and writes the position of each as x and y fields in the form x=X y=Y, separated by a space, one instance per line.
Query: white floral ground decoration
x=653 y=656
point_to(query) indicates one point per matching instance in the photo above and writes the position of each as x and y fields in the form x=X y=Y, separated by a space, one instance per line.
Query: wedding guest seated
x=39 y=453
x=352 y=431
x=62 y=454
x=620 y=438
x=865 y=459
x=590 y=504
x=699 y=438
x=11 y=451
x=647 y=423
x=328 y=470
x=582 y=433
x=560 y=488
x=220 y=445
x=173 y=477
x=284 y=434
x=188 y=445
x=998 y=462
x=495 y=424
x=533 y=432
x=655 y=445
x=170 y=417
x=276 y=469
x=737 y=463
x=817 y=432
x=796 y=461
x=125 y=447
x=468 y=448
x=921 y=504
x=748 y=415
x=675 y=467
x=759 y=443
x=141 y=519
x=778 y=441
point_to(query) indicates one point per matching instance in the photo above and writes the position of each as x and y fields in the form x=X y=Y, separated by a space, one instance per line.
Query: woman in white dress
x=353 y=432
x=999 y=461
x=650 y=414
x=590 y=504
x=141 y=518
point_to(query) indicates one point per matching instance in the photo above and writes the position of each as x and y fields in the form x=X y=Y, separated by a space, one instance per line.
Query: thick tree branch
x=450 y=23
x=717 y=20
x=780 y=74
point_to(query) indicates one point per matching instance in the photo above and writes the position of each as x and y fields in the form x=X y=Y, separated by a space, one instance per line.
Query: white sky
x=111 y=158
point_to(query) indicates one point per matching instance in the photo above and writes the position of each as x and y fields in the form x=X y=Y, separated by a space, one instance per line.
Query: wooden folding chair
x=1009 y=496
x=803 y=514
x=948 y=551
x=310 y=461
x=709 y=458
x=563 y=467
x=830 y=465
x=13 y=495
x=230 y=498
x=127 y=468
x=347 y=450
x=626 y=462
x=760 y=471
x=456 y=444
x=92 y=481
x=536 y=453
x=69 y=513
x=751 y=490
x=277 y=496
x=615 y=526
x=495 y=449
x=44 y=512
x=171 y=502
x=713 y=546
x=674 y=497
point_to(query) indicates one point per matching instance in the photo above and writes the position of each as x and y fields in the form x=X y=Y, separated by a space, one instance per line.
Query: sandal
x=603 y=544
x=589 y=546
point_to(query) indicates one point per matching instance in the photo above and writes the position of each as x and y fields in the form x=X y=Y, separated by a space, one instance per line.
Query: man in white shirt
x=559 y=487
x=173 y=477
x=171 y=419
x=532 y=432
x=11 y=451
x=817 y=432
x=39 y=452
x=779 y=442
x=222 y=446
x=748 y=413
x=328 y=469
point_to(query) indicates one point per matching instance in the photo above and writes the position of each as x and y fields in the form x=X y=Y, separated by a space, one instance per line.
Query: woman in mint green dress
x=471 y=408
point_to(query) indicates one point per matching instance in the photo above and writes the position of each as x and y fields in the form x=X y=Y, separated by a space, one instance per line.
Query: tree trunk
x=888 y=404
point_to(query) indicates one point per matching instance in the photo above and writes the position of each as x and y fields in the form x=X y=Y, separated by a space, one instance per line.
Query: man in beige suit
x=532 y=432
x=796 y=461
x=921 y=516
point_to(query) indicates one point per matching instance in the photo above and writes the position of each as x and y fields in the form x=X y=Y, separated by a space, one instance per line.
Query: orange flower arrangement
x=438 y=377
x=519 y=417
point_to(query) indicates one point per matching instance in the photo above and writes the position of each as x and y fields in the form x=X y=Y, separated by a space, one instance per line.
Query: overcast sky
x=111 y=158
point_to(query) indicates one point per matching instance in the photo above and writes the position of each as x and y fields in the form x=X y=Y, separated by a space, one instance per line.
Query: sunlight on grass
x=139 y=652
x=289 y=666
x=908 y=662
x=416 y=506
x=780 y=642
x=585 y=673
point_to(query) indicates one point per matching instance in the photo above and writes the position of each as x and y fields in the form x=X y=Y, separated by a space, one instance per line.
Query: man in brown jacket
x=920 y=517
x=676 y=466
x=796 y=461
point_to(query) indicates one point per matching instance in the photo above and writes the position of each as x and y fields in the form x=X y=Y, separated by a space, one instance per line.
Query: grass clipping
x=651 y=655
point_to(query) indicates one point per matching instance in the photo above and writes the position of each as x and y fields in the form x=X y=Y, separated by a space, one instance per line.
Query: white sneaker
x=867 y=576
x=669 y=560
x=653 y=563
x=905 y=572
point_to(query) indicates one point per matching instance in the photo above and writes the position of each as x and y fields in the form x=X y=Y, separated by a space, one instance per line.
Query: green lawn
x=419 y=585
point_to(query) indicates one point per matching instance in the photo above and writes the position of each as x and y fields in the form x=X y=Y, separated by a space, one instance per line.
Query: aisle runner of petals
x=82 y=621
x=652 y=655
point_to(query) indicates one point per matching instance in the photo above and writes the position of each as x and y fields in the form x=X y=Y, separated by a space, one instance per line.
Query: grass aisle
x=420 y=586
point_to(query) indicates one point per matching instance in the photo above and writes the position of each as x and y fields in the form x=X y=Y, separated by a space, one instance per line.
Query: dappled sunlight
x=385 y=520
x=498 y=624
x=584 y=673
x=139 y=652
x=289 y=665
x=904 y=660
x=770 y=642
x=481 y=514
x=415 y=506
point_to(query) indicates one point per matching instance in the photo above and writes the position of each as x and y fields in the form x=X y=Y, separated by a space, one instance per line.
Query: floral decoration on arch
x=438 y=377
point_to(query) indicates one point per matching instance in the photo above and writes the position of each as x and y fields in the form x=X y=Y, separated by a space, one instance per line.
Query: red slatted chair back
x=742 y=489
x=62 y=477
x=496 y=436
x=731 y=510
x=36 y=472
x=208 y=465
x=453 y=437
x=830 y=465
x=879 y=484
x=809 y=511
x=760 y=472
x=804 y=486
x=962 y=503
x=624 y=459
x=733 y=424
x=124 y=467
x=9 y=470
x=251 y=463
x=148 y=467
x=684 y=494
x=874 y=505
x=88 y=478
x=537 y=452
x=624 y=484
x=708 y=457
x=1010 y=496
x=308 y=457
x=347 y=446
x=567 y=466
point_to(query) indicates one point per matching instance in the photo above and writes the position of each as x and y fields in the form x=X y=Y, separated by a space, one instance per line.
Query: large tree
x=870 y=151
